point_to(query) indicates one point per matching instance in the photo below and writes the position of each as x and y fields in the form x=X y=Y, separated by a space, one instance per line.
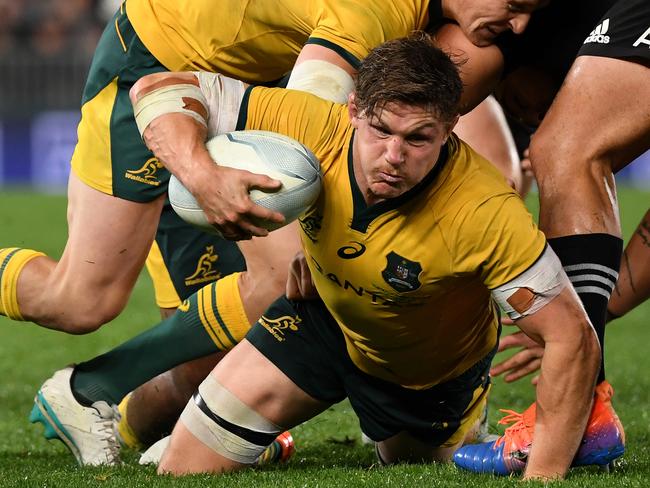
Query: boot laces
x=517 y=433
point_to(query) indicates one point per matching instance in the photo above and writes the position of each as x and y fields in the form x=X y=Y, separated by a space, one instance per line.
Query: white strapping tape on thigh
x=542 y=282
x=223 y=96
x=323 y=79
x=227 y=406
x=168 y=99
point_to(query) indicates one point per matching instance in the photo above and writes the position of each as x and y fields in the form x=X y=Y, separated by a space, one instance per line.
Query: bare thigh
x=108 y=241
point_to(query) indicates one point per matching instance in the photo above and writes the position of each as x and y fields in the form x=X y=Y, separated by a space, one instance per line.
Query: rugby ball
x=261 y=152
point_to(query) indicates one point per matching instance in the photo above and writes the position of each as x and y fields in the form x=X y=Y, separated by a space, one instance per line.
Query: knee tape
x=226 y=425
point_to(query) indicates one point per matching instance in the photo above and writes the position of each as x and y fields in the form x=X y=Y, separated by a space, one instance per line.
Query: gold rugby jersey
x=408 y=279
x=259 y=40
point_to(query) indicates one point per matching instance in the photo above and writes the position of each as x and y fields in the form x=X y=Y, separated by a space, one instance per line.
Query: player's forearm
x=564 y=397
x=179 y=143
x=171 y=112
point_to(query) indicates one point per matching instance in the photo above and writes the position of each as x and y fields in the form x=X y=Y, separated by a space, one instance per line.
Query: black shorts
x=623 y=32
x=303 y=340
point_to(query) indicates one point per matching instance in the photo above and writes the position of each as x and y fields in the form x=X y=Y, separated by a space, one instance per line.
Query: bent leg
x=598 y=123
x=107 y=245
x=267 y=264
x=263 y=395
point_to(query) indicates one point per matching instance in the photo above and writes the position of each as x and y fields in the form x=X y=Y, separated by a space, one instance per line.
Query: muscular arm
x=566 y=384
x=178 y=141
x=632 y=289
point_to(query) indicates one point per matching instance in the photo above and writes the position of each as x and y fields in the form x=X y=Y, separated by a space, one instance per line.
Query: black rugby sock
x=592 y=262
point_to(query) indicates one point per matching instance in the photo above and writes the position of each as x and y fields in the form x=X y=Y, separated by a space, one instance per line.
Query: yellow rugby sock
x=12 y=262
x=221 y=311
x=127 y=435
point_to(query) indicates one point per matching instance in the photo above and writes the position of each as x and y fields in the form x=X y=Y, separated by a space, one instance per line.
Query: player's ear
x=353 y=110
x=450 y=127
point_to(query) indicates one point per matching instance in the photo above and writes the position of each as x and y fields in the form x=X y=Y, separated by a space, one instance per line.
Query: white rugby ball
x=261 y=152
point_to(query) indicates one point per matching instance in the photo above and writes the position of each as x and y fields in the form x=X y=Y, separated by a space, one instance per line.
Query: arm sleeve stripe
x=349 y=57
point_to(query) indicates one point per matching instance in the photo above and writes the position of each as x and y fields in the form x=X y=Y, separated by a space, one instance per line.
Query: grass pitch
x=329 y=452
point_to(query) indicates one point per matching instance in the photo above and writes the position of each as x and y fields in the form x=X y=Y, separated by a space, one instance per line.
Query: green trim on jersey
x=349 y=57
x=242 y=118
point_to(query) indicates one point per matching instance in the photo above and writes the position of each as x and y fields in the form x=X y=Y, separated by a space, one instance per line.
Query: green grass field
x=329 y=450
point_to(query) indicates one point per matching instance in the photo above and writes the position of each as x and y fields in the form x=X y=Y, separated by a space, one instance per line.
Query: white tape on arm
x=168 y=99
x=323 y=79
x=223 y=97
x=533 y=288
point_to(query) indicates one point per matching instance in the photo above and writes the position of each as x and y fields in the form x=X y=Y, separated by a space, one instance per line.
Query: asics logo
x=598 y=34
x=354 y=250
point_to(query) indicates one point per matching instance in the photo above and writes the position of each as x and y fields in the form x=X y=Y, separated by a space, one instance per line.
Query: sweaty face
x=483 y=20
x=394 y=149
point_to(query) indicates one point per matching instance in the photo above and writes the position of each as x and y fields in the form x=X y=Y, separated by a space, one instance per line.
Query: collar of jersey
x=363 y=214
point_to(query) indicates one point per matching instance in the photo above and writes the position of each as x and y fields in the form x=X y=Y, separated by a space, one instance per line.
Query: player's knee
x=226 y=425
x=89 y=315
x=563 y=160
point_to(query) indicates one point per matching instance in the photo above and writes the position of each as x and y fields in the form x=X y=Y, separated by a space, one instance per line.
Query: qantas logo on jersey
x=401 y=273
x=280 y=326
x=147 y=173
x=598 y=34
x=376 y=293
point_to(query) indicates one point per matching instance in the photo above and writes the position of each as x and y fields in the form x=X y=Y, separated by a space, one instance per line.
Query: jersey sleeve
x=497 y=239
x=353 y=28
x=312 y=121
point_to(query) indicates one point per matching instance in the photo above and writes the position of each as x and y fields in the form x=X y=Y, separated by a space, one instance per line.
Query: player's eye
x=382 y=131
x=417 y=140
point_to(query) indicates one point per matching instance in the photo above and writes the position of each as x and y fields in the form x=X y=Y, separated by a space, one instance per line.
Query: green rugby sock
x=209 y=321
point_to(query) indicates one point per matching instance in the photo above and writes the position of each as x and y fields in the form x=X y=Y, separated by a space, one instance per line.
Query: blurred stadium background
x=45 y=50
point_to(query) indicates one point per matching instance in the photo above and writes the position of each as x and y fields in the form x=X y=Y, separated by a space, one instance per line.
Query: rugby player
x=435 y=226
x=597 y=124
x=117 y=187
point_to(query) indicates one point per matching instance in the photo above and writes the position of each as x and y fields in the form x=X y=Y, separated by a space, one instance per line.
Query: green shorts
x=110 y=155
x=303 y=340
x=183 y=259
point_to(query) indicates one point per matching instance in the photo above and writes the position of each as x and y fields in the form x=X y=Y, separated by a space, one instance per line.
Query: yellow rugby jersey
x=259 y=40
x=408 y=279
